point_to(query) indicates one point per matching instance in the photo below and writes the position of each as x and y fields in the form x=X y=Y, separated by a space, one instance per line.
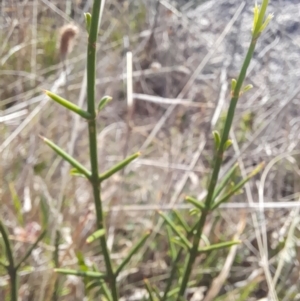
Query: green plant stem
x=172 y=274
x=11 y=269
x=94 y=179
x=13 y=284
x=215 y=174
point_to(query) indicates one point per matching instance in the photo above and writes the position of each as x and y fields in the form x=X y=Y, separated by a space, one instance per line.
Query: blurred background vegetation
x=184 y=56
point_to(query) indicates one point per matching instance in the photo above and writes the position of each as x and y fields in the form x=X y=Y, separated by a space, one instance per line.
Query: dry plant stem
x=217 y=166
x=94 y=178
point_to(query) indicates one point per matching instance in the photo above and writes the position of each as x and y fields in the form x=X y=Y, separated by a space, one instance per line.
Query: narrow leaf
x=97 y=234
x=90 y=274
x=67 y=157
x=247 y=88
x=233 y=84
x=182 y=221
x=217 y=139
x=227 y=144
x=238 y=186
x=175 y=291
x=103 y=102
x=3 y=264
x=17 y=203
x=133 y=251
x=103 y=288
x=175 y=229
x=267 y=21
x=176 y=240
x=149 y=290
x=227 y=177
x=88 y=18
x=118 y=167
x=8 y=247
x=221 y=245
x=172 y=248
x=75 y=172
x=69 y=105
x=29 y=251
x=156 y=292
x=194 y=211
x=199 y=205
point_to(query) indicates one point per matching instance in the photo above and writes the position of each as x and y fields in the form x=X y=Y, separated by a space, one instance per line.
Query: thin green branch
x=94 y=178
x=218 y=161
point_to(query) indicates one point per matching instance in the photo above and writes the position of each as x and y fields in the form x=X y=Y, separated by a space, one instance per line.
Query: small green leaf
x=182 y=221
x=149 y=290
x=221 y=245
x=17 y=203
x=255 y=16
x=103 y=102
x=76 y=173
x=97 y=234
x=133 y=251
x=199 y=205
x=194 y=211
x=80 y=273
x=233 y=84
x=107 y=174
x=172 y=248
x=237 y=187
x=29 y=251
x=247 y=88
x=175 y=229
x=258 y=21
x=67 y=157
x=224 y=181
x=267 y=21
x=88 y=19
x=227 y=144
x=69 y=105
x=217 y=139
x=176 y=240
